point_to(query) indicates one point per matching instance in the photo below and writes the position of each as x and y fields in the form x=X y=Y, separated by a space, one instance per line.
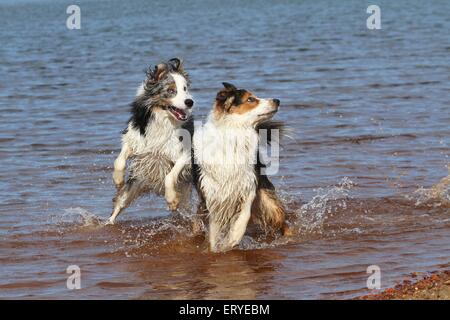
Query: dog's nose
x=189 y=103
x=276 y=101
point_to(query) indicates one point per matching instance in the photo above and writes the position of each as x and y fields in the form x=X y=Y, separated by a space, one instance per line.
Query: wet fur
x=152 y=144
x=237 y=188
x=267 y=209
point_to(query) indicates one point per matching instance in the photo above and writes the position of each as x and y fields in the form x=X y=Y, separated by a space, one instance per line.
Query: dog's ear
x=157 y=73
x=229 y=86
x=176 y=64
x=225 y=99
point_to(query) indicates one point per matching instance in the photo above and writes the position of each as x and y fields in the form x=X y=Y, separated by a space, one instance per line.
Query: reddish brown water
x=370 y=112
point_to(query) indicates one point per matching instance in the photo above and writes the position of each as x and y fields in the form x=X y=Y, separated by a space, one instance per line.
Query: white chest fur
x=155 y=153
x=160 y=137
x=226 y=157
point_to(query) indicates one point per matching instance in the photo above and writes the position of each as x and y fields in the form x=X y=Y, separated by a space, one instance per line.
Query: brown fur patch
x=245 y=106
x=267 y=211
x=234 y=102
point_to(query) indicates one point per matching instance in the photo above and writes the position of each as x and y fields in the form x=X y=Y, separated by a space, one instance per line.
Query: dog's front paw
x=173 y=206
x=172 y=200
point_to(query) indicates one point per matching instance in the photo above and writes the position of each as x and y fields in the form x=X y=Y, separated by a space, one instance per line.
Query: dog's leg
x=239 y=225
x=198 y=220
x=221 y=240
x=267 y=209
x=125 y=196
x=120 y=164
x=214 y=234
x=171 y=180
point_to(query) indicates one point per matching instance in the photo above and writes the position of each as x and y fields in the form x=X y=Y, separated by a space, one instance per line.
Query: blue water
x=368 y=106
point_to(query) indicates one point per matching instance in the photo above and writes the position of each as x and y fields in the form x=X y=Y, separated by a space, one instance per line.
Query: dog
x=154 y=140
x=228 y=171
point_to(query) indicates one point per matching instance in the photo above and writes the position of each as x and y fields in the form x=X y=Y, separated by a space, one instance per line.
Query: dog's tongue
x=179 y=114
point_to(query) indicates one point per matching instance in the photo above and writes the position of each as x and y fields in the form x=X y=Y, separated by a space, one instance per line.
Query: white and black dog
x=161 y=112
x=230 y=182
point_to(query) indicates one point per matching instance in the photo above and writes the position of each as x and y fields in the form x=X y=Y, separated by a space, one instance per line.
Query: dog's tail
x=283 y=130
x=267 y=209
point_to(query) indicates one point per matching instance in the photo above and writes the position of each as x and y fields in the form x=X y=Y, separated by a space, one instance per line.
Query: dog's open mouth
x=179 y=114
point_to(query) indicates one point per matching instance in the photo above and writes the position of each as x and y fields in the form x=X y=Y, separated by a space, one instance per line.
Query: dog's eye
x=184 y=88
x=171 y=91
x=251 y=99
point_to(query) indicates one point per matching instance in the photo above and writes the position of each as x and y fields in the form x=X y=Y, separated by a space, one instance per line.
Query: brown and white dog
x=230 y=182
x=161 y=114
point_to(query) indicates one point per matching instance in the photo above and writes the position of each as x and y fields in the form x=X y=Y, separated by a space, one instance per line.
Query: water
x=369 y=108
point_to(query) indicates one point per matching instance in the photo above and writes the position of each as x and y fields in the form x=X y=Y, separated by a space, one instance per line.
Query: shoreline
x=431 y=286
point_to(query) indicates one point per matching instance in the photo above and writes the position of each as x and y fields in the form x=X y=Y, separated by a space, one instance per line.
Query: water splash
x=308 y=218
x=140 y=239
x=437 y=195
x=149 y=236
x=78 y=217
x=311 y=215
x=430 y=197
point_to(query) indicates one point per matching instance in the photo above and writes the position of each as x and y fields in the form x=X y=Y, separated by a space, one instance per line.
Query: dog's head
x=242 y=108
x=166 y=89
